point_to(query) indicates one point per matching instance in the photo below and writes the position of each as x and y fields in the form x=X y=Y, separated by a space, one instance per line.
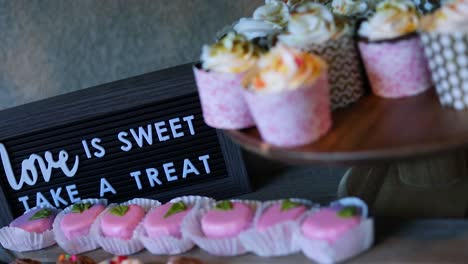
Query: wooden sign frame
x=174 y=86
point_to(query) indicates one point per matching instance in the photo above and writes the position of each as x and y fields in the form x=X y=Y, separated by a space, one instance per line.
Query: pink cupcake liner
x=117 y=246
x=396 y=68
x=221 y=99
x=276 y=240
x=191 y=228
x=79 y=244
x=295 y=117
x=169 y=245
x=351 y=244
x=19 y=240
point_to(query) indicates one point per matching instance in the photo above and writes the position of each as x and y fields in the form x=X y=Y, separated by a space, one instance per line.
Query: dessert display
x=313 y=28
x=74 y=259
x=115 y=229
x=274 y=228
x=72 y=226
x=336 y=233
x=30 y=231
x=223 y=66
x=392 y=51
x=291 y=86
x=216 y=229
x=445 y=38
x=160 y=231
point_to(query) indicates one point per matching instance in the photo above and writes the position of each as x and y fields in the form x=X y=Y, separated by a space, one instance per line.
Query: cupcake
x=72 y=226
x=216 y=229
x=392 y=51
x=30 y=231
x=223 y=66
x=445 y=39
x=288 y=95
x=266 y=23
x=313 y=28
x=351 y=8
x=161 y=232
x=336 y=233
x=115 y=228
x=274 y=228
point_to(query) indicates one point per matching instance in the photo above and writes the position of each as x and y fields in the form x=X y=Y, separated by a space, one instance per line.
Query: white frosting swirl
x=231 y=54
x=350 y=7
x=312 y=24
x=284 y=68
x=393 y=18
x=273 y=11
x=253 y=28
x=450 y=18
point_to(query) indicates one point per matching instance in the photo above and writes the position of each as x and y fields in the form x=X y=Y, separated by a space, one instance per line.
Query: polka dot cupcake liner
x=448 y=62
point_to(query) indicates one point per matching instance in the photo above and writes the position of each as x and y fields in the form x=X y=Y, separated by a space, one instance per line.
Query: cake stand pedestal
x=407 y=155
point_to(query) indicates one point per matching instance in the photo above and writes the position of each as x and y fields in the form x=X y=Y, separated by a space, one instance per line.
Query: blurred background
x=53 y=47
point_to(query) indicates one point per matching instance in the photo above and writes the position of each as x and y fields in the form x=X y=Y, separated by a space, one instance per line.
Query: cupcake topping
x=348 y=211
x=273 y=11
x=176 y=208
x=312 y=23
x=288 y=204
x=119 y=210
x=393 y=18
x=224 y=205
x=80 y=207
x=253 y=28
x=44 y=213
x=231 y=54
x=450 y=18
x=350 y=7
x=284 y=68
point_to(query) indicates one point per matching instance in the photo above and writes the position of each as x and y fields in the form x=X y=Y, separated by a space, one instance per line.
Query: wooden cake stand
x=408 y=155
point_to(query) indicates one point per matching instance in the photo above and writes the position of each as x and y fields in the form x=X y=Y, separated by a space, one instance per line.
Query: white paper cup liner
x=169 y=245
x=351 y=244
x=79 y=244
x=191 y=228
x=19 y=240
x=117 y=246
x=276 y=240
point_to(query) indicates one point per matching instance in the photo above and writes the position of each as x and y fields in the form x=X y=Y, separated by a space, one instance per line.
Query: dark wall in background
x=53 y=47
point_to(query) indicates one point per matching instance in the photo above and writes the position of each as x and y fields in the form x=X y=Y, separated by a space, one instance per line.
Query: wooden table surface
x=375 y=129
x=397 y=241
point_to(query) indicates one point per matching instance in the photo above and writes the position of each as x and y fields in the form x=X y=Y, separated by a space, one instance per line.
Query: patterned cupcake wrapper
x=79 y=244
x=191 y=228
x=276 y=240
x=221 y=99
x=292 y=118
x=117 y=246
x=346 y=72
x=351 y=244
x=396 y=68
x=19 y=240
x=169 y=245
x=448 y=61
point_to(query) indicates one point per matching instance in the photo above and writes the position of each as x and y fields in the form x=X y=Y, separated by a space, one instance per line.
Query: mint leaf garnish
x=348 y=212
x=175 y=208
x=119 y=210
x=224 y=205
x=288 y=204
x=44 y=213
x=80 y=207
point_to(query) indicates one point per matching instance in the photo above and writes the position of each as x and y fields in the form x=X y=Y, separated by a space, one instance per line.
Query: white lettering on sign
x=57 y=199
x=29 y=173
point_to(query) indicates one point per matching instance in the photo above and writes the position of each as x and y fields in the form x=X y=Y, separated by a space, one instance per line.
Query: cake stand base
x=435 y=186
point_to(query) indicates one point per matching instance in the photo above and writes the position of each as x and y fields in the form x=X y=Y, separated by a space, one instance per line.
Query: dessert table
x=408 y=154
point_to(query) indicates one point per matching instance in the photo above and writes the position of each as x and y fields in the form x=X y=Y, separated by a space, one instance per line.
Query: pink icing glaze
x=36 y=226
x=327 y=225
x=273 y=215
x=156 y=225
x=122 y=226
x=78 y=224
x=222 y=224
